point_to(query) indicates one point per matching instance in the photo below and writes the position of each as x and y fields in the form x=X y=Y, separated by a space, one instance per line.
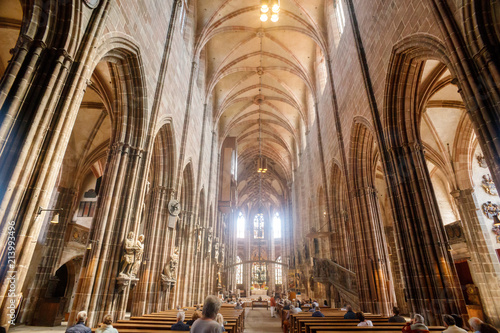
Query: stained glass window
x=278 y=272
x=258 y=226
x=240 y=226
x=277 y=225
x=239 y=271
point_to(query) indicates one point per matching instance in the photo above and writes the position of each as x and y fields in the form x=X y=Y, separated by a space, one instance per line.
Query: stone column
x=271 y=268
x=484 y=266
x=432 y=287
x=99 y=290
x=247 y=268
x=399 y=286
x=31 y=155
x=184 y=241
x=157 y=236
x=34 y=131
x=374 y=273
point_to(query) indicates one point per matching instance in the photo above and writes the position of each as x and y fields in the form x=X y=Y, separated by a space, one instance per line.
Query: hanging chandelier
x=261 y=161
x=273 y=6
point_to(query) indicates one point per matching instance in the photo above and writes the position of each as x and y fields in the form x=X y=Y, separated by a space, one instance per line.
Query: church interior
x=156 y=152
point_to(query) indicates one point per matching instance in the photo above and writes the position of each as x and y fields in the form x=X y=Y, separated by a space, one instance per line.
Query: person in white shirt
x=207 y=323
x=450 y=324
x=362 y=319
x=294 y=310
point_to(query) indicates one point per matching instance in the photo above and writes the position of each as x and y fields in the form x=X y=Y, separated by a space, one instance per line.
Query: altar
x=258 y=292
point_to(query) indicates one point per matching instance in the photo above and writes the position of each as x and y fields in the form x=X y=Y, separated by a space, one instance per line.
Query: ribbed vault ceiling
x=261 y=70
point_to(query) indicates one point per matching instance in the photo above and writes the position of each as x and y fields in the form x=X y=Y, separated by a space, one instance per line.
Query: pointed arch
x=163 y=157
x=130 y=109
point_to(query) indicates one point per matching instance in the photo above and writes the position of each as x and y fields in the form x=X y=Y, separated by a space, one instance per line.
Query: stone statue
x=490 y=209
x=489 y=185
x=170 y=269
x=128 y=256
x=216 y=249
x=198 y=240
x=219 y=282
x=209 y=240
x=222 y=253
x=481 y=160
x=138 y=252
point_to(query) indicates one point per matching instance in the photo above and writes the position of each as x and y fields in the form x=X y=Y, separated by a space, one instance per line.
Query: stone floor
x=259 y=320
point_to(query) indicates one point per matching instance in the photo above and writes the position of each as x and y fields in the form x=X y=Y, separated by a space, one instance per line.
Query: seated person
x=180 y=326
x=416 y=325
x=450 y=324
x=396 y=318
x=80 y=327
x=362 y=320
x=220 y=320
x=325 y=302
x=350 y=314
x=196 y=315
x=106 y=326
x=317 y=312
x=287 y=305
x=207 y=323
x=488 y=328
x=239 y=305
x=475 y=324
x=293 y=310
x=459 y=322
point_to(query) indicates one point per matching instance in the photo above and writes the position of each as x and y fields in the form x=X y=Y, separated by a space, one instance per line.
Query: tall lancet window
x=339 y=12
x=278 y=278
x=258 y=226
x=240 y=226
x=239 y=271
x=277 y=225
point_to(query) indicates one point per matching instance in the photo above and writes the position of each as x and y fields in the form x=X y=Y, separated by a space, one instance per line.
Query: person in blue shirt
x=80 y=327
x=317 y=312
x=350 y=314
x=180 y=326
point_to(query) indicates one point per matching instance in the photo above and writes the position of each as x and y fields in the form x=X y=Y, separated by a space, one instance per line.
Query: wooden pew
x=364 y=329
x=334 y=314
x=162 y=321
x=140 y=330
x=303 y=322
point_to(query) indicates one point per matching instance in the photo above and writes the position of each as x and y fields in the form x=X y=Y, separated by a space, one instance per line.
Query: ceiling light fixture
x=261 y=161
x=264 y=6
x=275 y=7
